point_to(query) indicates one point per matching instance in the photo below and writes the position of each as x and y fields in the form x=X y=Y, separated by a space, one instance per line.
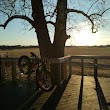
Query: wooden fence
x=65 y=65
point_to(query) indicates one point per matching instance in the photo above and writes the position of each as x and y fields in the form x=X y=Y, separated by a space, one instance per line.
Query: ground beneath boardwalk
x=13 y=96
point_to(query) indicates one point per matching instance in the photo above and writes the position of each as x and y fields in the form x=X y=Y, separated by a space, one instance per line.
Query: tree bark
x=41 y=28
x=60 y=29
x=47 y=49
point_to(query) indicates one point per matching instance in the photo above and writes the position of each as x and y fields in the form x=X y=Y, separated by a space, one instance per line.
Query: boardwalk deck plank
x=69 y=100
x=90 y=100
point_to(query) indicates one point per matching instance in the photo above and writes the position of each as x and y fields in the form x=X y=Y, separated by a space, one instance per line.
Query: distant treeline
x=7 y=47
x=104 y=46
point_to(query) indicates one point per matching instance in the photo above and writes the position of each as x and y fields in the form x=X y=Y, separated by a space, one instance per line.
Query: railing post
x=82 y=66
x=59 y=76
x=14 y=72
x=95 y=68
x=95 y=72
x=2 y=70
x=64 y=71
x=70 y=67
x=55 y=68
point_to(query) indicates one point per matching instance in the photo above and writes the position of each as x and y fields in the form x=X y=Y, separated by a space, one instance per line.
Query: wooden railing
x=65 y=65
x=9 y=62
x=95 y=63
x=69 y=60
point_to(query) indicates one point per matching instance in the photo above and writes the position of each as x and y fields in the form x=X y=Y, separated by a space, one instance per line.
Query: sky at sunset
x=17 y=34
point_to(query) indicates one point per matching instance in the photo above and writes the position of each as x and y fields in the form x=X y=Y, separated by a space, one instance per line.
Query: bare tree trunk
x=60 y=37
x=47 y=49
x=41 y=28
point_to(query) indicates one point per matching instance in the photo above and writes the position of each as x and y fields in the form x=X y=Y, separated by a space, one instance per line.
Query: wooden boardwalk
x=76 y=93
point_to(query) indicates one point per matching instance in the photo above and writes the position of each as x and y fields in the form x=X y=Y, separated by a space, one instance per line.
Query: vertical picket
x=14 y=72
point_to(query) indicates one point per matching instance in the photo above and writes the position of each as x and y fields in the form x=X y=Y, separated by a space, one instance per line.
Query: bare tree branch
x=4 y=12
x=50 y=22
x=17 y=17
x=81 y=12
x=99 y=14
x=92 y=5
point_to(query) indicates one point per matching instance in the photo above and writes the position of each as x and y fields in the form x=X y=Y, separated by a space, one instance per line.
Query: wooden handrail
x=90 y=57
x=68 y=59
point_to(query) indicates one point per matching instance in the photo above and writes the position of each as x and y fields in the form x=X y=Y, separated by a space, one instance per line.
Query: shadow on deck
x=77 y=93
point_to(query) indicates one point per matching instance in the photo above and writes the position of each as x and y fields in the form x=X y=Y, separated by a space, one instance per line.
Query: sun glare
x=82 y=38
x=85 y=38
